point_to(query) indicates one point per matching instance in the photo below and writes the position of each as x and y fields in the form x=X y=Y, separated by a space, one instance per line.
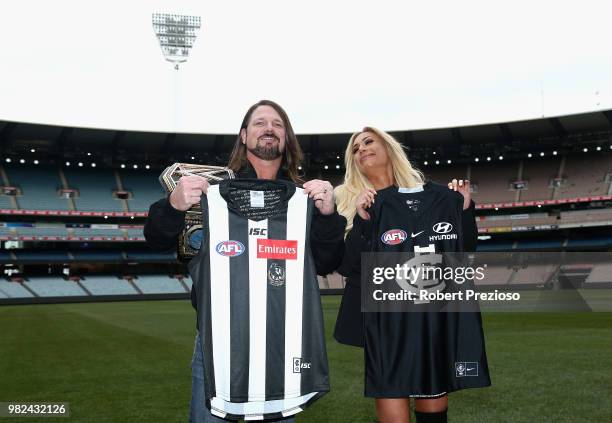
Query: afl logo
x=230 y=248
x=442 y=227
x=394 y=237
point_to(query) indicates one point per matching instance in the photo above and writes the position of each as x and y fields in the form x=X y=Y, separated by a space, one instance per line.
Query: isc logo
x=258 y=231
x=299 y=365
x=230 y=248
x=394 y=237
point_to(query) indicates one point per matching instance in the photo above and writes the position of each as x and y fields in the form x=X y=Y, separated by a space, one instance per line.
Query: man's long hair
x=292 y=155
x=404 y=174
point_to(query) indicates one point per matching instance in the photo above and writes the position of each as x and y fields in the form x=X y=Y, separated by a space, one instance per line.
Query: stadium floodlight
x=501 y=157
x=22 y=161
x=135 y=166
x=326 y=167
x=437 y=162
x=8 y=160
x=93 y=165
x=147 y=167
x=122 y=166
x=476 y=159
x=529 y=155
x=555 y=153
x=36 y=162
x=299 y=167
x=33 y=150
x=176 y=35
x=80 y=164
x=542 y=154
x=586 y=150
x=67 y=163
x=337 y=166
x=449 y=161
x=425 y=163
x=598 y=148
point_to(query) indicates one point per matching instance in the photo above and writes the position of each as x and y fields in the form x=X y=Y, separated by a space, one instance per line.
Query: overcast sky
x=334 y=65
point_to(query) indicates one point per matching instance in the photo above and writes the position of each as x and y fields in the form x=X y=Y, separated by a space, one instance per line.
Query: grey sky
x=335 y=66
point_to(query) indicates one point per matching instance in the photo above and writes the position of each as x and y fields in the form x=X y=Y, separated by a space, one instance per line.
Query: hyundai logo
x=442 y=227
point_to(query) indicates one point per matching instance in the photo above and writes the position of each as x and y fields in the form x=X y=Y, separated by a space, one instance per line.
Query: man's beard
x=266 y=153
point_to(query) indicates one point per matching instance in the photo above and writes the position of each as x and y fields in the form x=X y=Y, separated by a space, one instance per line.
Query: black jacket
x=164 y=225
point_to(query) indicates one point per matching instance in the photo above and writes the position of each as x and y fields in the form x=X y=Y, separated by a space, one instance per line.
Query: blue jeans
x=198 y=411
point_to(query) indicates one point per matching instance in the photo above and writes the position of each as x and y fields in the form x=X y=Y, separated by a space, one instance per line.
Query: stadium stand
x=96 y=232
x=538 y=173
x=54 y=287
x=14 y=290
x=38 y=231
x=496 y=275
x=493 y=181
x=158 y=284
x=534 y=273
x=586 y=176
x=135 y=233
x=34 y=194
x=144 y=187
x=6 y=202
x=95 y=189
x=600 y=273
x=107 y=285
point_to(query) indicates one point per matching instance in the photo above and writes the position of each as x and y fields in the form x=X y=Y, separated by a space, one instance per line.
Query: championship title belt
x=191 y=237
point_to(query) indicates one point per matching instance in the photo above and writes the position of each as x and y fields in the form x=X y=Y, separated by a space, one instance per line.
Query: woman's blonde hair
x=355 y=182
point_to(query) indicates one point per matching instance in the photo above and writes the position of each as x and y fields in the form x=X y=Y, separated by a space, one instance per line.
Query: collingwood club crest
x=276 y=275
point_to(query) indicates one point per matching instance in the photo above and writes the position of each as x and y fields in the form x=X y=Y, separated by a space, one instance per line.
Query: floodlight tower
x=176 y=35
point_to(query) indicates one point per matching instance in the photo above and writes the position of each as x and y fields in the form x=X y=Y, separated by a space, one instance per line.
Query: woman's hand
x=463 y=187
x=363 y=201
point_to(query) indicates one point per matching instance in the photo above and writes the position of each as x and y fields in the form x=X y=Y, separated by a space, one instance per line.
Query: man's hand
x=322 y=193
x=463 y=187
x=363 y=201
x=188 y=191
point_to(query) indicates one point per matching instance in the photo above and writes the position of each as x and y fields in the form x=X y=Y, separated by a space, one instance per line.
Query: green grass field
x=130 y=362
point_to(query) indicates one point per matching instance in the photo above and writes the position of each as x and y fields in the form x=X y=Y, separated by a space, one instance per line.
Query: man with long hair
x=266 y=148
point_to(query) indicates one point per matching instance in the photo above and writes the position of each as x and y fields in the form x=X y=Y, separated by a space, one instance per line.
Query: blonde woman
x=407 y=355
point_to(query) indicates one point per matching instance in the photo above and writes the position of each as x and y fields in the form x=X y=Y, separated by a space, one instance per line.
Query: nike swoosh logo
x=417 y=234
x=470 y=369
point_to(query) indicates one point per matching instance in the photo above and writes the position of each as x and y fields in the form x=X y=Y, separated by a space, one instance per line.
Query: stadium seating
x=586 y=176
x=95 y=189
x=144 y=186
x=534 y=274
x=107 y=285
x=158 y=284
x=495 y=275
x=54 y=287
x=96 y=232
x=6 y=202
x=538 y=174
x=34 y=194
x=493 y=181
x=58 y=231
x=14 y=290
x=600 y=273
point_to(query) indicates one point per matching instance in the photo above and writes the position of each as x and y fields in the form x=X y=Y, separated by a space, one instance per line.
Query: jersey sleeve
x=163 y=226
x=327 y=241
